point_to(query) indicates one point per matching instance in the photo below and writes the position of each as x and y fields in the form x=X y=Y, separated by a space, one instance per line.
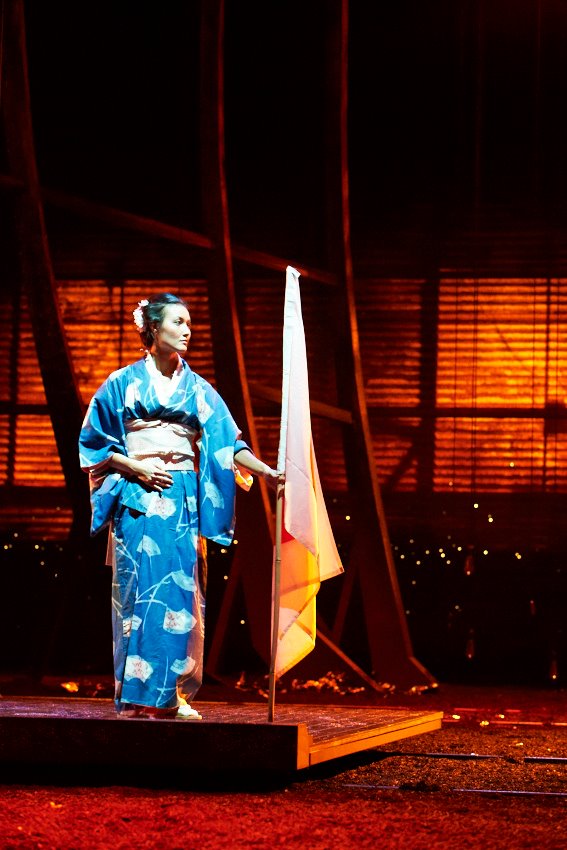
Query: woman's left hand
x=273 y=477
x=244 y=459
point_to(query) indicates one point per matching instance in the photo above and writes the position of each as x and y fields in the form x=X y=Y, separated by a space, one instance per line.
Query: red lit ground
x=494 y=777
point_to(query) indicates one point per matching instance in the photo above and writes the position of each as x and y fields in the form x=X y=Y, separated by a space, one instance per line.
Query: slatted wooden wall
x=502 y=358
x=102 y=338
x=468 y=386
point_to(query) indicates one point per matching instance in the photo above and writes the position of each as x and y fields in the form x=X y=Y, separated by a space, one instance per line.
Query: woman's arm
x=151 y=472
x=244 y=459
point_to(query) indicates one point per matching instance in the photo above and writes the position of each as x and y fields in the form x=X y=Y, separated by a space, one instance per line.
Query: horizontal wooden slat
x=36 y=521
x=97 y=315
x=464 y=376
x=5 y=438
x=36 y=459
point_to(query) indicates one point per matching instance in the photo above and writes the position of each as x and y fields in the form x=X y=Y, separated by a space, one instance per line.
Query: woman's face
x=174 y=332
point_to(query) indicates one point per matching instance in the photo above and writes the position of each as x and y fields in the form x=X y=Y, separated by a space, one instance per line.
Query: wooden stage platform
x=77 y=733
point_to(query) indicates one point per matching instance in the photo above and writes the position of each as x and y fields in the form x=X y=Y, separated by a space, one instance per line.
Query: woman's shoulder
x=125 y=373
x=189 y=374
x=202 y=382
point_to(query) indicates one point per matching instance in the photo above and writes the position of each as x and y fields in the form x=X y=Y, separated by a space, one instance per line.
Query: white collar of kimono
x=164 y=387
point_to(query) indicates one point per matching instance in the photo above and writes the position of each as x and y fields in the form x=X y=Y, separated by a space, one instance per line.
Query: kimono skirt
x=158 y=604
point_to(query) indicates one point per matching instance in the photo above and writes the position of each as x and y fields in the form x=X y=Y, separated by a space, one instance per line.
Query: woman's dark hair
x=153 y=312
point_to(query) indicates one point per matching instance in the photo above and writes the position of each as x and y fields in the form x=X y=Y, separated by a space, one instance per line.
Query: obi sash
x=171 y=442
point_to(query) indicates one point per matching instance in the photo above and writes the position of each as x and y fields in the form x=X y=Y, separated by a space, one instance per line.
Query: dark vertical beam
x=371 y=554
x=253 y=557
x=16 y=325
x=38 y=281
x=428 y=331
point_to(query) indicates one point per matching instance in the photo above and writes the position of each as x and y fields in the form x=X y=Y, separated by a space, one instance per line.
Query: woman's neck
x=166 y=363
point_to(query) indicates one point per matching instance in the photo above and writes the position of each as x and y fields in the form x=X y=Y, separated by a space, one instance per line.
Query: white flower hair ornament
x=138 y=314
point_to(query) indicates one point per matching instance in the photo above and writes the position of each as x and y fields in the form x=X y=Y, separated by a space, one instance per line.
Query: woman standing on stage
x=163 y=454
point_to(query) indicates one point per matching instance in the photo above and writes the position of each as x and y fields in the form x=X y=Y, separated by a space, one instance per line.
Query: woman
x=163 y=453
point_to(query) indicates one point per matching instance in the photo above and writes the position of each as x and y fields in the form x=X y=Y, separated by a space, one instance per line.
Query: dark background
x=457 y=124
x=455 y=108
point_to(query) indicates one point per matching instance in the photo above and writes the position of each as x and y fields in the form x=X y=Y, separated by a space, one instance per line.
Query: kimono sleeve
x=220 y=436
x=102 y=435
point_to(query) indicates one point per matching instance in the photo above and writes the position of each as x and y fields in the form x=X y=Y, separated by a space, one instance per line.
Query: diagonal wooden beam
x=318 y=408
x=371 y=556
x=253 y=557
x=160 y=230
x=129 y=221
x=55 y=363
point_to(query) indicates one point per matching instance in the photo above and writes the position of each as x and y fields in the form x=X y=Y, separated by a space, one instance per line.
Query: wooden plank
x=121 y=218
x=255 y=521
x=269 y=261
x=232 y=737
x=204 y=747
x=318 y=408
x=161 y=230
x=374 y=737
x=371 y=557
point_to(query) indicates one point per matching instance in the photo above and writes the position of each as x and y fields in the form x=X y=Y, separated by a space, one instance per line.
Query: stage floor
x=493 y=778
x=232 y=737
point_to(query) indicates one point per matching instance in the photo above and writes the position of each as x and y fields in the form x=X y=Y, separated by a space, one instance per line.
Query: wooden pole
x=276 y=588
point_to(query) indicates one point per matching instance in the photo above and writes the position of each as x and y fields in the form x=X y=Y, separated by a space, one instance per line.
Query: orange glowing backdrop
x=464 y=380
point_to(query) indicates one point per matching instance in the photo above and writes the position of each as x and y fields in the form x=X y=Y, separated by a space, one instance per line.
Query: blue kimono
x=157 y=601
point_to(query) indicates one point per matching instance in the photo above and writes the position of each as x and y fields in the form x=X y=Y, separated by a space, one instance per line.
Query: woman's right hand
x=152 y=473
